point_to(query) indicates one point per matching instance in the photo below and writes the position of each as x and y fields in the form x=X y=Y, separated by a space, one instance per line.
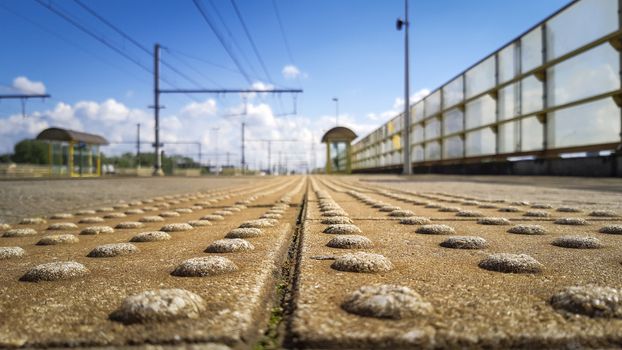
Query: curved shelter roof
x=59 y=134
x=339 y=133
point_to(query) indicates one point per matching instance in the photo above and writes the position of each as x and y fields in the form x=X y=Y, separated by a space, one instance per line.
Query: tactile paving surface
x=496 y=291
x=97 y=289
x=379 y=265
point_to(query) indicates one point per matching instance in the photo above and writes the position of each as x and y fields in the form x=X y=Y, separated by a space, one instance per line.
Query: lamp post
x=406 y=127
x=336 y=111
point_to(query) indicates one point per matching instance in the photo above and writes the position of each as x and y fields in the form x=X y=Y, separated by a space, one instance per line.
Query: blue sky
x=344 y=48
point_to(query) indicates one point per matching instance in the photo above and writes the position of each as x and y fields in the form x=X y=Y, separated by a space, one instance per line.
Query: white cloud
x=194 y=122
x=200 y=109
x=26 y=86
x=292 y=72
x=258 y=85
x=112 y=110
x=16 y=128
x=398 y=106
x=191 y=123
x=110 y=118
x=419 y=95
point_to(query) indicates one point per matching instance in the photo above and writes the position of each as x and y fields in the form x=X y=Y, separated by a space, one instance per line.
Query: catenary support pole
x=157 y=167
x=158 y=91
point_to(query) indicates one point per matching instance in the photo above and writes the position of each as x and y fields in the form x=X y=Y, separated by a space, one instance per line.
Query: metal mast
x=157 y=167
x=406 y=127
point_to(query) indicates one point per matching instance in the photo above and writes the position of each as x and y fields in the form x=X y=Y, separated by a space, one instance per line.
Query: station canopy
x=59 y=134
x=339 y=133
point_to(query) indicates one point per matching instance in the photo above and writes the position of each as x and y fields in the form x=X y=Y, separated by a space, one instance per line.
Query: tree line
x=36 y=152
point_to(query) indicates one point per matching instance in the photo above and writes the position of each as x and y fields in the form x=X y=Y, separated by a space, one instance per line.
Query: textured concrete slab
x=380 y=262
x=77 y=312
x=472 y=306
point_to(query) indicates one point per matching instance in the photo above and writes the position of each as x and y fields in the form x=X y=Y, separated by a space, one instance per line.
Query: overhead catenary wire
x=98 y=32
x=146 y=50
x=250 y=39
x=93 y=35
x=79 y=47
x=232 y=37
x=115 y=28
x=199 y=59
x=194 y=69
x=286 y=43
x=282 y=28
x=135 y=42
x=105 y=42
x=221 y=39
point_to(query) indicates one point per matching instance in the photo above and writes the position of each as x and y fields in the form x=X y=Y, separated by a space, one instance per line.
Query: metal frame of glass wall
x=74 y=159
x=555 y=89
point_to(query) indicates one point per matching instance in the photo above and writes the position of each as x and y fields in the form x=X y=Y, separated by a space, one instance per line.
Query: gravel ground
x=28 y=198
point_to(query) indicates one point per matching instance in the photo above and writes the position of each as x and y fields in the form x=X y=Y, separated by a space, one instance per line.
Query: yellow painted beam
x=328 y=160
x=99 y=162
x=70 y=159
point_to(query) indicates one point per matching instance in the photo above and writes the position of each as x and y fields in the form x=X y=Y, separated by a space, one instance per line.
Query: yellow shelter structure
x=73 y=153
x=338 y=150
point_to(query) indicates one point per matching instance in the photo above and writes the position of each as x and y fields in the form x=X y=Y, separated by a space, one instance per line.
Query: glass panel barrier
x=587 y=124
x=531 y=98
x=531 y=134
x=591 y=73
x=432 y=103
x=480 y=142
x=417 y=153
x=453 y=92
x=418 y=133
x=481 y=77
x=453 y=147
x=580 y=24
x=432 y=128
x=337 y=152
x=453 y=121
x=507 y=63
x=433 y=150
x=531 y=50
x=578 y=76
x=507 y=97
x=418 y=111
x=480 y=112
x=508 y=137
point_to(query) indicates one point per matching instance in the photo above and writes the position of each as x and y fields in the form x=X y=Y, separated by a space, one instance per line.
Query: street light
x=406 y=127
x=336 y=111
